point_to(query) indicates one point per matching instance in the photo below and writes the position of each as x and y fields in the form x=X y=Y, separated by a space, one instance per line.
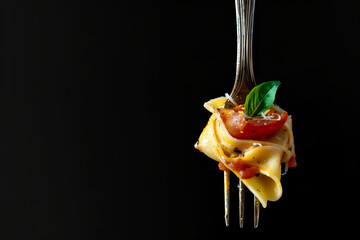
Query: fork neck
x=244 y=79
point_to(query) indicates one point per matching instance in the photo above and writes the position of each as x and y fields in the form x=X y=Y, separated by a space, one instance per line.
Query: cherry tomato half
x=257 y=128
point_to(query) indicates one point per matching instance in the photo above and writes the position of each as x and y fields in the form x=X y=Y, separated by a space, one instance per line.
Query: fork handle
x=244 y=79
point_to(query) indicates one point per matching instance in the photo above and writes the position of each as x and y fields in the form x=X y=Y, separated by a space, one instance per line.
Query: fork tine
x=227 y=196
x=241 y=187
x=241 y=203
x=256 y=212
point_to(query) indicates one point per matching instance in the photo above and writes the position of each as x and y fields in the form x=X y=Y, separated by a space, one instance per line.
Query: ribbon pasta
x=267 y=155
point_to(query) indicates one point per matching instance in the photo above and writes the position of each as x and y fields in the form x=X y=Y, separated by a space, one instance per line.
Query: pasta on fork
x=251 y=140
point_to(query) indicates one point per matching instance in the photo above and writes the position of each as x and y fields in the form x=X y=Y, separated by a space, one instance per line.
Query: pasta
x=255 y=160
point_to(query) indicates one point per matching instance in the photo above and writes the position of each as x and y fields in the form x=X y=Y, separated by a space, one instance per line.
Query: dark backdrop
x=101 y=104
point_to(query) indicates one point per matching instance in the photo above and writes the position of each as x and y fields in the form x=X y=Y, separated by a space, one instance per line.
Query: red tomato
x=257 y=128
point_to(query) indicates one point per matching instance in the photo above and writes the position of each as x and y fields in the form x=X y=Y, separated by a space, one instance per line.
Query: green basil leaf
x=261 y=98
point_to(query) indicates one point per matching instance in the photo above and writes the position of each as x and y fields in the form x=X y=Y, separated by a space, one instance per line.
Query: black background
x=101 y=104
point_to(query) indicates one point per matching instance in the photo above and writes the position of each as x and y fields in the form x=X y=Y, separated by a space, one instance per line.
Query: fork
x=244 y=82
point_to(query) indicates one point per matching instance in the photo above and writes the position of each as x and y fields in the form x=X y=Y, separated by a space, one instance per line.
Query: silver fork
x=244 y=82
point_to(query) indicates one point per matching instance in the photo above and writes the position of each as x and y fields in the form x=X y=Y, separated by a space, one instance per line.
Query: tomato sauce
x=245 y=170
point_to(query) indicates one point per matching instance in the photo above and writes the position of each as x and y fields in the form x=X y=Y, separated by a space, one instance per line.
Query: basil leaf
x=261 y=98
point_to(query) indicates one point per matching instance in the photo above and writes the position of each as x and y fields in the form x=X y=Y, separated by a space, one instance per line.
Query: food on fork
x=251 y=140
